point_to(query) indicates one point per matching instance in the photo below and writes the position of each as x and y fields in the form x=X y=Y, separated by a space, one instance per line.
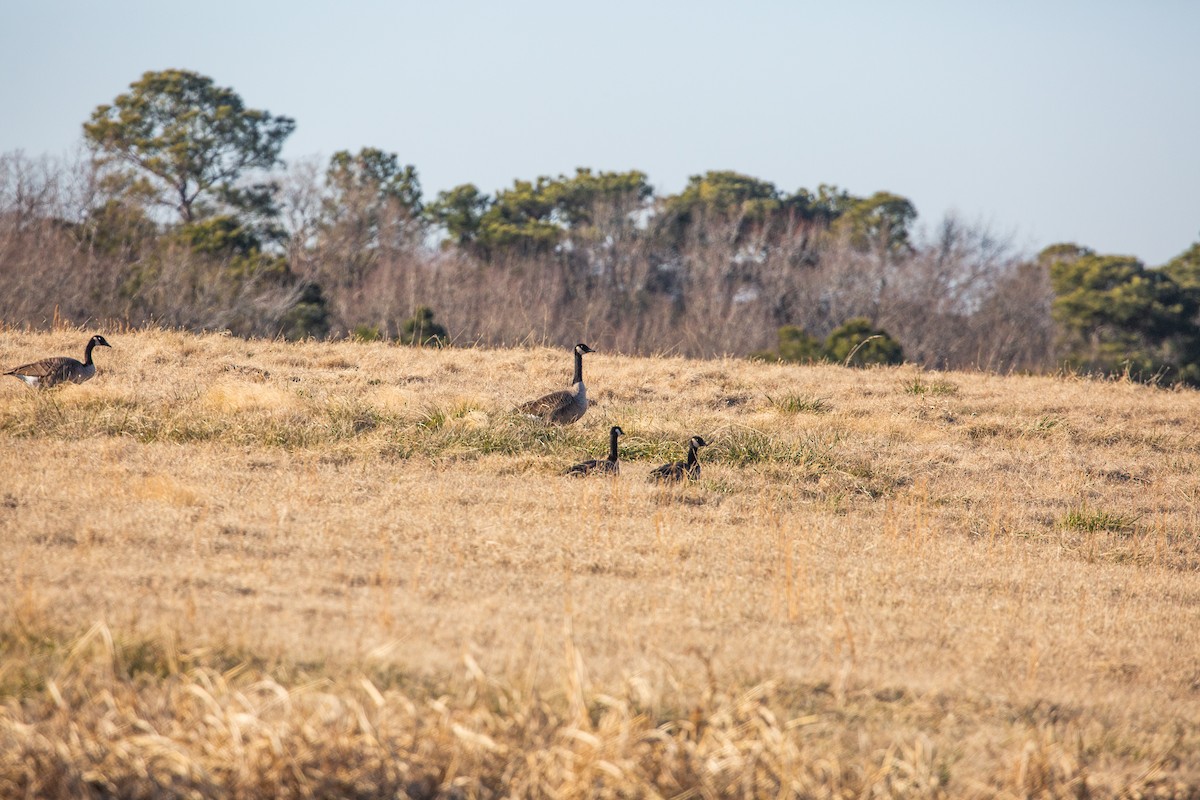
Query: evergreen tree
x=186 y=143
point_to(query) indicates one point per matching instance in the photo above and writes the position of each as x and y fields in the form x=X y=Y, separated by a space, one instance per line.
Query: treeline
x=180 y=213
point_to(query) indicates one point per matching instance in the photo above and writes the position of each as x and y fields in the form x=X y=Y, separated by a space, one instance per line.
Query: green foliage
x=375 y=174
x=1094 y=292
x=1063 y=251
x=308 y=317
x=218 y=236
x=718 y=196
x=857 y=342
x=225 y=238
x=188 y=141
x=366 y=333
x=725 y=193
x=798 y=345
x=421 y=330
x=372 y=206
x=748 y=204
x=882 y=220
x=856 y=337
x=534 y=217
x=580 y=201
x=1184 y=269
x=459 y=212
x=520 y=220
x=373 y=201
x=1117 y=317
x=827 y=205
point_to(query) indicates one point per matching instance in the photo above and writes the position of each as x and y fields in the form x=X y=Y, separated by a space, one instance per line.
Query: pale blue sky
x=1047 y=121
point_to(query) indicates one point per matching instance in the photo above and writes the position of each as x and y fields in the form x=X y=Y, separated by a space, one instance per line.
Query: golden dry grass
x=247 y=568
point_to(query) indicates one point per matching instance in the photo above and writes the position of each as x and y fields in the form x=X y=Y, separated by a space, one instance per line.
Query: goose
x=50 y=371
x=609 y=466
x=678 y=470
x=566 y=406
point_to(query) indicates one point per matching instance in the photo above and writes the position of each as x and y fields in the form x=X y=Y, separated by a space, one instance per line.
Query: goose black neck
x=87 y=353
x=612 y=446
x=692 y=459
x=578 y=368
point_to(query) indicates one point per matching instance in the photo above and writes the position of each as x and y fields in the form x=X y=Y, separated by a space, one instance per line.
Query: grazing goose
x=678 y=470
x=50 y=371
x=609 y=465
x=567 y=406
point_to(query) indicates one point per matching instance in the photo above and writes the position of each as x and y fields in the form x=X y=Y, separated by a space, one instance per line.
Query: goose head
x=696 y=443
x=582 y=348
x=98 y=341
x=616 y=431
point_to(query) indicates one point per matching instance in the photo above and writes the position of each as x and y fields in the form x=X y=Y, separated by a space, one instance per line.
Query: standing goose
x=678 y=470
x=50 y=371
x=566 y=406
x=609 y=465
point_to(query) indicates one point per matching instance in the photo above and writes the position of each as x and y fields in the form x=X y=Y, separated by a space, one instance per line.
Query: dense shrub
x=421 y=330
x=308 y=318
x=857 y=342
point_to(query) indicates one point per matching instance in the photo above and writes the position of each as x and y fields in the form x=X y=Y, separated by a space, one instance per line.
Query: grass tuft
x=920 y=385
x=800 y=404
x=1093 y=520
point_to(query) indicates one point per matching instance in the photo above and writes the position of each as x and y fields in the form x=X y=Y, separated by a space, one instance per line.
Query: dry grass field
x=255 y=569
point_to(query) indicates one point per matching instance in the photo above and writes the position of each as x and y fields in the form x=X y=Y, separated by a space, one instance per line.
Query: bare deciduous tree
x=958 y=297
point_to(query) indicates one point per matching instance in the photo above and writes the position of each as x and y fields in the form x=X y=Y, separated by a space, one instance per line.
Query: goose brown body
x=678 y=470
x=60 y=369
x=609 y=466
x=566 y=406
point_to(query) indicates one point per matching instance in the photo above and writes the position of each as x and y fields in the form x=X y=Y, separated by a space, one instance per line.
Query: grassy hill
x=251 y=568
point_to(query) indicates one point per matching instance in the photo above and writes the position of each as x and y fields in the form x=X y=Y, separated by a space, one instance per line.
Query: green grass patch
x=800 y=404
x=1046 y=425
x=743 y=446
x=1091 y=521
x=920 y=385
